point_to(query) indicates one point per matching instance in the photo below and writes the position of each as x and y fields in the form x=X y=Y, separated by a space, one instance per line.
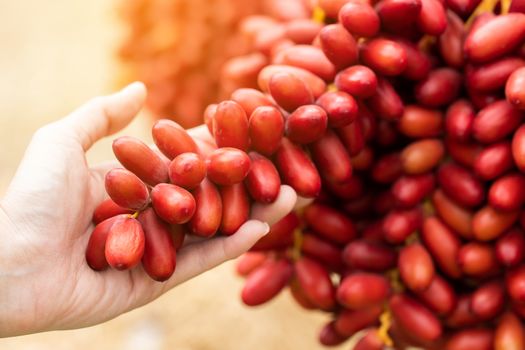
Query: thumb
x=105 y=115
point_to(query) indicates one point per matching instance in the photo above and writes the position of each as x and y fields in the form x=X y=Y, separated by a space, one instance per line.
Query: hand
x=45 y=223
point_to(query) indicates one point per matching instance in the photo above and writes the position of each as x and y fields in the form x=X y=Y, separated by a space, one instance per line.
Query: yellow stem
x=426 y=42
x=505 y=6
x=385 y=322
x=135 y=214
x=318 y=15
x=484 y=6
x=428 y=208
x=414 y=237
x=331 y=88
x=297 y=243
x=395 y=281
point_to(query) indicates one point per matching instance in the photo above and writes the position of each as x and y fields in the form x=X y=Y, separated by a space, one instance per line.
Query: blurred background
x=58 y=54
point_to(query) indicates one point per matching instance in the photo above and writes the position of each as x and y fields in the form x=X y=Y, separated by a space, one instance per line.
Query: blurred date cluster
x=192 y=53
x=402 y=119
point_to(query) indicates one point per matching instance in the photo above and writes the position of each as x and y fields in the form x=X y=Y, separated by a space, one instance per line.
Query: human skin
x=45 y=223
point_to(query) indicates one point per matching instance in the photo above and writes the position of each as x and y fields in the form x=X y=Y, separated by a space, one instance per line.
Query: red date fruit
x=322 y=251
x=518 y=148
x=510 y=248
x=461 y=185
x=108 y=209
x=441 y=87
x=412 y=190
x=331 y=157
x=363 y=290
x=340 y=107
x=488 y=300
x=477 y=259
x=95 y=251
x=289 y=91
x=386 y=102
x=228 y=166
x=172 y=203
x=464 y=153
x=266 y=282
x=495 y=37
x=507 y=192
x=369 y=256
x=338 y=45
x=371 y=341
x=329 y=337
x=263 y=182
x=159 y=259
x=352 y=137
x=450 y=43
x=515 y=284
x=307 y=57
x=178 y=235
x=496 y=121
x=384 y=56
x=141 y=160
x=443 y=245
x=439 y=296
x=208 y=212
x=494 y=160
x=187 y=170
x=297 y=170
x=459 y=120
x=315 y=84
x=509 y=334
x=266 y=129
x=493 y=75
x=235 y=208
x=349 y=322
x=306 y=124
x=126 y=189
x=249 y=100
x=400 y=224
x=249 y=262
x=125 y=244
x=471 y=338
x=422 y=156
x=330 y=223
x=358 y=81
x=316 y=283
x=514 y=89
x=489 y=223
x=416 y=267
x=418 y=61
x=454 y=215
x=387 y=169
x=432 y=18
x=360 y=19
x=415 y=318
x=461 y=316
x=281 y=234
x=230 y=126
x=417 y=122
x=172 y=139
x=398 y=16
x=302 y=31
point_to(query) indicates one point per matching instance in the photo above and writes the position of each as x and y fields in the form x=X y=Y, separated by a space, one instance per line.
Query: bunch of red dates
x=404 y=119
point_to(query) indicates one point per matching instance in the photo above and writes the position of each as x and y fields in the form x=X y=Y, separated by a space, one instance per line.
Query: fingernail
x=266 y=229
x=135 y=86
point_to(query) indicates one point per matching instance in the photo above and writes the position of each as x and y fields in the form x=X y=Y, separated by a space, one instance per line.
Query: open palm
x=45 y=222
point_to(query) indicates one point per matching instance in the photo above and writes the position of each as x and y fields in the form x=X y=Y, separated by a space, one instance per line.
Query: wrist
x=11 y=291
